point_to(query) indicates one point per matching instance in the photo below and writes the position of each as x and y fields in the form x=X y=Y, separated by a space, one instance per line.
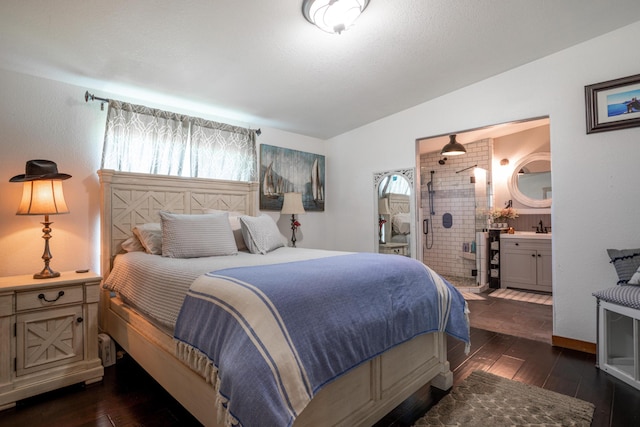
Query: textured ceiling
x=261 y=63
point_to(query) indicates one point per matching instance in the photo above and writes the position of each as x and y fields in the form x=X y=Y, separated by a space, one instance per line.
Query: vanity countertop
x=525 y=235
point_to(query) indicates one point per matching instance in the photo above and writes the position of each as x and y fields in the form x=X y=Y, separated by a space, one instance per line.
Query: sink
x=525 y=235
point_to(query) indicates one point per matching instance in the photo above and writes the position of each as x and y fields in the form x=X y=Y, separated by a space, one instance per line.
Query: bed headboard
x=398 y=203
x=130 y=199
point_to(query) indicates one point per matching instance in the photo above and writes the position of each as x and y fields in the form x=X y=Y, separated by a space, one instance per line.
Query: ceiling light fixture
x=333 y=16
x=453 y=147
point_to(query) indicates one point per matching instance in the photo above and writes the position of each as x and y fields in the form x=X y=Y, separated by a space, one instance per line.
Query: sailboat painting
x=283 y=170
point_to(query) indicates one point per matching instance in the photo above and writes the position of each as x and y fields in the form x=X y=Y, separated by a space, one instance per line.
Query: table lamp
x=42 y=195
x=292 y=205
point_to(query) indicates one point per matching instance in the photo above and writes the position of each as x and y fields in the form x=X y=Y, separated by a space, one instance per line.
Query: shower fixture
x=465 y=169
x=442 y=161
x=428 y=223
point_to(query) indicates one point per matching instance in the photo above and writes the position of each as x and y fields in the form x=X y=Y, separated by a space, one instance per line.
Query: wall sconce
x=333 y=16
x=42 y=195
x=504 y=162
x=292 y=205
x=453 y=147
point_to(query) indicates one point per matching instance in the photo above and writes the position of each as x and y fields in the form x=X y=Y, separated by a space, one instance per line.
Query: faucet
x=541 y=228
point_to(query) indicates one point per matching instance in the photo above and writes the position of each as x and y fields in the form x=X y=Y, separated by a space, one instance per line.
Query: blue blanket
x=269 y=337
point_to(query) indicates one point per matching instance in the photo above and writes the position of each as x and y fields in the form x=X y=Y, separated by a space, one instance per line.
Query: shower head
x=442 y=161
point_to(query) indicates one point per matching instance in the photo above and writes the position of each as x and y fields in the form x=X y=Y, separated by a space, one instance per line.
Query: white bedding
x=156 y=286
x=401 y=223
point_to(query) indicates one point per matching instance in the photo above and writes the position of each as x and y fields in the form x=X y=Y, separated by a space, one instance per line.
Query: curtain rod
x=89 y=96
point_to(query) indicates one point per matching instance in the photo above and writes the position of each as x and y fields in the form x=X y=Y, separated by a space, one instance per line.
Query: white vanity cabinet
x=525 y=262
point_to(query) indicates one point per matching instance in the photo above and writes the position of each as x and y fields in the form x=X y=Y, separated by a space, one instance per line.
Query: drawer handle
x=79 y=319
x=42 y=297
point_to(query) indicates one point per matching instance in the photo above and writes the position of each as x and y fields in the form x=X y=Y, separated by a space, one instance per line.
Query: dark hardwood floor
x=522 y=319
x=129 y=397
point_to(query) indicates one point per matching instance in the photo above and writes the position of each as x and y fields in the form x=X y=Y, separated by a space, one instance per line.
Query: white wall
x=595 y=192
x=44 y=119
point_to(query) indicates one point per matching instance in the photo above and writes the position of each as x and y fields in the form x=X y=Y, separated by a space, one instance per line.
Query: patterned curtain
x=222 y=151
x=142 y=139
x=146 y=140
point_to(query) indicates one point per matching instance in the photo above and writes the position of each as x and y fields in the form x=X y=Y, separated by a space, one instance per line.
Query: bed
x=360 y=396
x=400 y=219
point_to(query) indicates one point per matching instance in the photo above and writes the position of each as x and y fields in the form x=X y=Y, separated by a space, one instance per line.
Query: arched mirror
x=394 y=208
x=530 y=183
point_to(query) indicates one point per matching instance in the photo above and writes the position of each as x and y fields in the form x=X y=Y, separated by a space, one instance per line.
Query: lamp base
x=46 y=273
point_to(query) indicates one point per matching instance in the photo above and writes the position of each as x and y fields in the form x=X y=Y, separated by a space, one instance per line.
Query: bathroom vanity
x=525 y=261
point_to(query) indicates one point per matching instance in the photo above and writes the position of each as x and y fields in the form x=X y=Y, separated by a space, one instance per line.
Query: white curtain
x=222 y=151
x=146 y=140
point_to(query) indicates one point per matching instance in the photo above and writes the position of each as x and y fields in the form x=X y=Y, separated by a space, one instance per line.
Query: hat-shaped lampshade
x=42 y=198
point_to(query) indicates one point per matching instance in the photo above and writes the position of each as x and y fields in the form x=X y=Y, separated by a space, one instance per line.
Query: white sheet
x=156 y=286
x=401 y=223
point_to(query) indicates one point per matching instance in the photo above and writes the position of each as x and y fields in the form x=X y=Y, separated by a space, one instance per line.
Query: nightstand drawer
x=48 y=297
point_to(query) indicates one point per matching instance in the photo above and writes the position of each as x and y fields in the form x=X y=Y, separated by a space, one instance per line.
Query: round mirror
x=530 y=183
x=394 y=209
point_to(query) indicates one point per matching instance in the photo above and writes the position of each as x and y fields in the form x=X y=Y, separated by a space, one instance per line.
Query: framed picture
x=291 y=171
x=613 y=105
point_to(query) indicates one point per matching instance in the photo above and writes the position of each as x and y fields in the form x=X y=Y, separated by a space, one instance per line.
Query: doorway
x=456 y=195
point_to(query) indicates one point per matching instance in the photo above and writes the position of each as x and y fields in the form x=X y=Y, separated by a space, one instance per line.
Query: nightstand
x=394 y=248
x=48 y=334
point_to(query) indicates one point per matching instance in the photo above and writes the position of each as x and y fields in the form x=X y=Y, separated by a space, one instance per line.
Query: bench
x=618 y=313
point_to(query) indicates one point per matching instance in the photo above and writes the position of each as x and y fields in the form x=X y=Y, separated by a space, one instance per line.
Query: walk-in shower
x=453 y=204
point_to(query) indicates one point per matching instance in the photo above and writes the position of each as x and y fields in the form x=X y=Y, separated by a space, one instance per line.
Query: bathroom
x=458 y=192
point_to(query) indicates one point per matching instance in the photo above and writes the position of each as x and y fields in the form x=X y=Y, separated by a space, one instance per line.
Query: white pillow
x=234 y=221
x=150 y=235
x=132 y=244
x=401 y=223
x=635 y=279
x=194 y=236
x=261 y=234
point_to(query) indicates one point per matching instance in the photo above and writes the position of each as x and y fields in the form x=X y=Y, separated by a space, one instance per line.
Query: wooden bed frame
x=359 y=398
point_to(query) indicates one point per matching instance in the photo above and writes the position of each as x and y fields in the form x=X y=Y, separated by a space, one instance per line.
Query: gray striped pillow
x=261 y=234
x=194 y=236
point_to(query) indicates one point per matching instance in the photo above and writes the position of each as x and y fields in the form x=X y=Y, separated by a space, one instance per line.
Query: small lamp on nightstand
x=383 y=209
x=42 y=195
x=292 y=205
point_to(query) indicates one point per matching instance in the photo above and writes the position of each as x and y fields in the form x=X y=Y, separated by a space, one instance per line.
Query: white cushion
x=193 y=236
x=635 y=279
x=401 y=223
x=260 y=233
x=150 y=236
x=132 y=244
